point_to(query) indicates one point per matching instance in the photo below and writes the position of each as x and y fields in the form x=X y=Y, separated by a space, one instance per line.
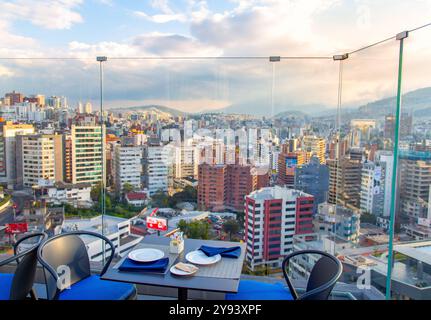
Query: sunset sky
x=86 y=29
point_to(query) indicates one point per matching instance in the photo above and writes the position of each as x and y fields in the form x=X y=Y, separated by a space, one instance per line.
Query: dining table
x=222 y=276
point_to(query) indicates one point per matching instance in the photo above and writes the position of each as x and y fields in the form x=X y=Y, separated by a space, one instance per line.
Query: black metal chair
x=19 y=285
x=66 y=263
x=323 y=276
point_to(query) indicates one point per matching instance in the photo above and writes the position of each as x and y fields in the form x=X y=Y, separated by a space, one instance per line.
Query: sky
x=84 y=29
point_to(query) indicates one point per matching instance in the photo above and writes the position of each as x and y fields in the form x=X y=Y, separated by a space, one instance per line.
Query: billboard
x=157 y=223
x=13 y=228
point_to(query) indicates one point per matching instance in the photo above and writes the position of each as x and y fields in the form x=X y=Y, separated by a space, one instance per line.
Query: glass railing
x=283 y=153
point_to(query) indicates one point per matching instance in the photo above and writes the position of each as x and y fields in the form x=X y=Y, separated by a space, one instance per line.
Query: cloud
x=248 y=28
x=60 y=14
x=161 y=18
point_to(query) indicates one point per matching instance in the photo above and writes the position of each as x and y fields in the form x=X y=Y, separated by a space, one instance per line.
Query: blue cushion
x=255 y=290
x=5 y=285
x=94 y=288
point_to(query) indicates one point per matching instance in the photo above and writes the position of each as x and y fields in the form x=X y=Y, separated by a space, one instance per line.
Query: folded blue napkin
x=154 y=266
x=232 y=252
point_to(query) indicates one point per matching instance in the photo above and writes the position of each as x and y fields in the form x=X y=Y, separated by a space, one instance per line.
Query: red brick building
x=222 y=187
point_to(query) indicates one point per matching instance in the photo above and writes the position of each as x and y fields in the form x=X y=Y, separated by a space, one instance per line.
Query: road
x=18 y=197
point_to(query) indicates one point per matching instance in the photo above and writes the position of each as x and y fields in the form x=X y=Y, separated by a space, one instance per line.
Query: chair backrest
x=322 y=273
x=323 y=276
x=25 y=272
x=66 y=255
x=65 y=260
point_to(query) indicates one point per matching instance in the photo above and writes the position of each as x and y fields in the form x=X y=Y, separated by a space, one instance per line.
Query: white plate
x=146 y=255
x=198 y=257
x=179 y=272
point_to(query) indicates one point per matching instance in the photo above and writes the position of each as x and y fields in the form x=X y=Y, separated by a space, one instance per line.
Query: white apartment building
x=87 y=153
x=376 y=184
x=186 y=160
x=78 y=195
x=156 y=168
x=127 y=166
x=39 y=157
x=273 y=216
x=9 y=165
x=372 y=188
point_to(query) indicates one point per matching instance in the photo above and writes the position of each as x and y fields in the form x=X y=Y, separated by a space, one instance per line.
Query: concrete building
x=223 y=187
x=156 y=168
x=39 y=157
x=287 y=164
x=127 y=167
x=335 y=220
x=60 y=192
x=314 y=146
x=313 y=178
x=9 y=134
x=415 y=179
x=345 y=182
x=87 y=149
x=273 y=216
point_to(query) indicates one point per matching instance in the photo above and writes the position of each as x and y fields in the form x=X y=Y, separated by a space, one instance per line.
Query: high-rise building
x=222 y=187
x=415 y=179
x=314 y=146
x=127 y=166
x=287 y=164
x=211 y=186
x=9 y=134
x=156 y=168
x=406 y=125
x=273 y=216
x=67 y=156
x=376 y=184
x=313 y=178
x=39 y=157
x=344 y=182
x=14 y=98
x=87 y=149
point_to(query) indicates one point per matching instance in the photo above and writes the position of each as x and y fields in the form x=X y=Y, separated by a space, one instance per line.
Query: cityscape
x=277 y=154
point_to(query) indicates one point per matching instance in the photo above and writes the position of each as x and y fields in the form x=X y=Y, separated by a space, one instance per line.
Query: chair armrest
x=326 y=286
x=18 y=256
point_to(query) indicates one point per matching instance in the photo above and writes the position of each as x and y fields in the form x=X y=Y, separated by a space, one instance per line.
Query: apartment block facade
x=273 y=215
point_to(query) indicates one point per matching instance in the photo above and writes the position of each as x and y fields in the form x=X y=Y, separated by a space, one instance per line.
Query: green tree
x=95 y=191
x=127 y=187
x=231 y=227
x=195 y=229
x=160 y=199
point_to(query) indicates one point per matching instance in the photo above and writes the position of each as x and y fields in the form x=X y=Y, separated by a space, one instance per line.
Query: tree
x=95 y=191
x=231 y=227
x=160 y=199
x=195 y=229
x=127 y=187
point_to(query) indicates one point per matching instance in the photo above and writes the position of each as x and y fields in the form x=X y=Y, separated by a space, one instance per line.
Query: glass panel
x=180 y=134
x=280 y=217
x=363 y=166
x=411 y=253
x=50 y=146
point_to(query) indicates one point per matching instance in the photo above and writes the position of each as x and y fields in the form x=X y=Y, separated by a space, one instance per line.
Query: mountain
x=148 y=108
x=417 y=102
x=246 y=108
